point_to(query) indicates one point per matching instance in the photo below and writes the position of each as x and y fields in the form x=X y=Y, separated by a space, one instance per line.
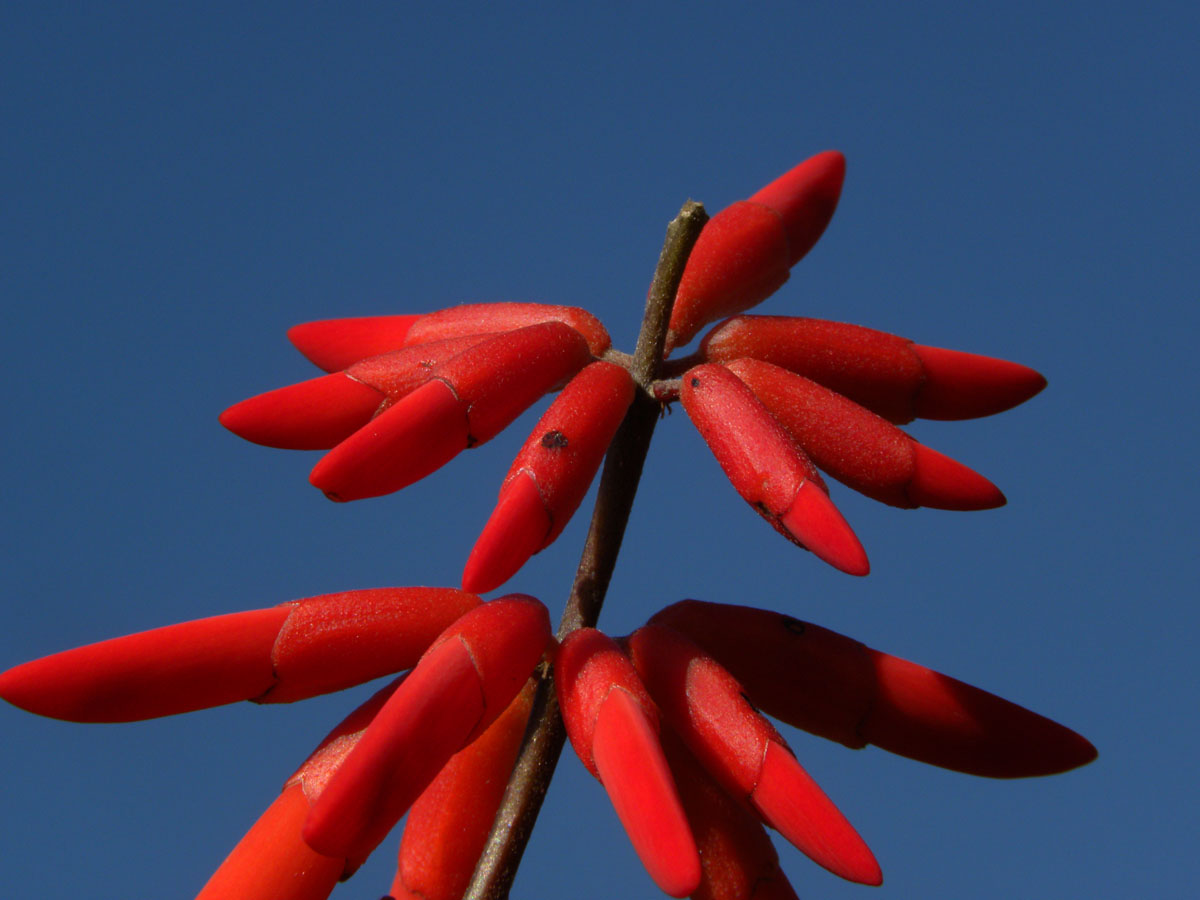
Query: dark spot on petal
x=554 y=440
x=695 y=382
x=795 y=626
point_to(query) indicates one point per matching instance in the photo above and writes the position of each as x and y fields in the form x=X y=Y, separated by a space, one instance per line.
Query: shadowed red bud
x=861 y=449
x=276 y=655
x=705 y=706
x=462 y=684
x=737 y=857
x=313 y=415
x=467 y=400
x=613 y=726
x=448 y=825
x=336 y=344
x=745 y=251
x=767 y=467
x=834 y=686
x=477 y=318
x=272 y=861
x=548 y=479
x=889 y=375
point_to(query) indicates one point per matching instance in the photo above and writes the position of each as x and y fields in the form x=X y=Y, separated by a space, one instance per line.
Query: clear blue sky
x=182 y=182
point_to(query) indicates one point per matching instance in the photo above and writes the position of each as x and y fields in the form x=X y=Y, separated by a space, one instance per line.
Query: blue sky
x=182 y=182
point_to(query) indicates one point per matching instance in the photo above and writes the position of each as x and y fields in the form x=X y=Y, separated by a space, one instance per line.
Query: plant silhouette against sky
x=672 y=719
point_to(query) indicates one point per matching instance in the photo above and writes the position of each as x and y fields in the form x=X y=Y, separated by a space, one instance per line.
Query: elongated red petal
x=551 y=473
x=478 y=318
x=448 y=825
x=745 y=251
x=889 y=375
x=516 y=530
x=272 y=862
x=767 y=467
x=639 y=785
x=179 y=668
x=834 y=686
x=737 y=857
x=335 y=641
x=942 y=721
x=412 y=439
x=861 y=449
x=312 y=415
x=336 y=344
x=464 y=681
x=424 y=723
x=705 y=706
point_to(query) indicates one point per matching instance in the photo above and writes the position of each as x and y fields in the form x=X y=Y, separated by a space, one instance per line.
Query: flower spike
x=745 y=251
x=861 y=449
x=275 y=655
x=705 y=706
x=767 y=467
x=463 y=682
x=550 y=475
x=467 y=400
x=889 y=375
x=447 y=827
x=834 y=686
x=613 y=726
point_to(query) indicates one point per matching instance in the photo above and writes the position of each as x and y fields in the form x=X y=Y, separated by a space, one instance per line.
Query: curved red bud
x=448 y=825
x=276 y=655
x=336 y=344
x=861 y=449
x=613 y=726
x=478 y=318
x=767 y=467
x=737 y=857
x=312 y=415
x=551 y=473
x=834 y=686
x=889 y=375
x=467 y=400
x=462 y=684
x=705 y=706
x=745 y=251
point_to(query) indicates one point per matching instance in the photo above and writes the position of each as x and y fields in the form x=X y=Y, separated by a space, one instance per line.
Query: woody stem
x=545 y=736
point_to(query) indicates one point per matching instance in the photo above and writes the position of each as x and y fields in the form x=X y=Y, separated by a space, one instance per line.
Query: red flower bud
x=889 y=375
x=478 y=318
x=613 y=726
x=552 y=472
x=834 y=686
x=861 y=449
x=336 y=344
x=767 y=467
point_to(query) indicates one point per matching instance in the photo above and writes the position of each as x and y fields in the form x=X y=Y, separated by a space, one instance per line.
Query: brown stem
x=497 y=866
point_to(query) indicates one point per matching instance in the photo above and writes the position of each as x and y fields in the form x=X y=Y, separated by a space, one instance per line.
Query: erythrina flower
x=668 y=719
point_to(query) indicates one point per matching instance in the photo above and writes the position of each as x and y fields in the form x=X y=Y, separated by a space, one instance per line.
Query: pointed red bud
x=336 y=344
x=462 y=684
x=613 y=726
x=889 y=375
x=468 y=399
x=478 y=318
x=861 y=449
x=736 y=855
x=551 y=474
x=834 y=686
x=745 y=251
x=312 y=415
x=274 y=655
x=448 y=825
x=767 y=467
x=705 y=706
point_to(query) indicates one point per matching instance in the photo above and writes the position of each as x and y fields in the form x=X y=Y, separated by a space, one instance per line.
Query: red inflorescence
x=668 y=719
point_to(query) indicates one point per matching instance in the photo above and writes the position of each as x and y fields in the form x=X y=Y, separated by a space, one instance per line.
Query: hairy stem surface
x=497 y=867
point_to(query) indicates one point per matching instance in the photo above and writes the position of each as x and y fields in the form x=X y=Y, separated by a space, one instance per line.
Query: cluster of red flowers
x=667 y=718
